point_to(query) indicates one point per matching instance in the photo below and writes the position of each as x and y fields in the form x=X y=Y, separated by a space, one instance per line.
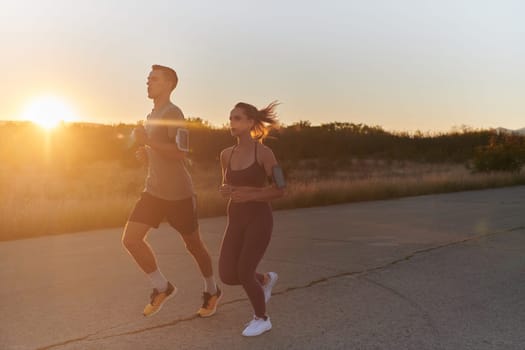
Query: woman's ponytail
x=265 y=119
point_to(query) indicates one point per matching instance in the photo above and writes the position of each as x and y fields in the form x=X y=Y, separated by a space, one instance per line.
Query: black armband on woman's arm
x=278 y=177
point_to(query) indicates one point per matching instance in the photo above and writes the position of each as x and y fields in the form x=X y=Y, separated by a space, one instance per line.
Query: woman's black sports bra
x=253 y=176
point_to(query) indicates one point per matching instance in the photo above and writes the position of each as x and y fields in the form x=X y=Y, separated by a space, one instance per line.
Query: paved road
x=430 y=272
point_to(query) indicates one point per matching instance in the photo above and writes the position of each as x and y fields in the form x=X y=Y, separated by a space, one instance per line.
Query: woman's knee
x=228 y=276
x=246 y=276
x=230 y=280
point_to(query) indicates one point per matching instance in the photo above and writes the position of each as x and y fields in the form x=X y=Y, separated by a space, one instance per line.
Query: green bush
x=504 y=153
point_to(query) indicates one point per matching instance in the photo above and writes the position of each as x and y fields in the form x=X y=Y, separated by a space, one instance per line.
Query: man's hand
x=142 y=155
x=141 y=138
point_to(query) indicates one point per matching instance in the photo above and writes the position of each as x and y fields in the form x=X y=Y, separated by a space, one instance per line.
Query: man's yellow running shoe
x=158 y=299
x=210 y=302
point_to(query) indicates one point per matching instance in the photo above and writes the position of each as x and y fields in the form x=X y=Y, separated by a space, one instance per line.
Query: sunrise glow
x=48 y=112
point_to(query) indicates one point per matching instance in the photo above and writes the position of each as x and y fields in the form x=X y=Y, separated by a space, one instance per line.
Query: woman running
x=246 y=168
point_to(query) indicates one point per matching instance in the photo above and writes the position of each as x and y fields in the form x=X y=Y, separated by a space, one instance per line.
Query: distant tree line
x=23 y=144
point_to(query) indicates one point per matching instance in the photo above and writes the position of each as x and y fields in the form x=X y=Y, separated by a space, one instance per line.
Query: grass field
x=38 y=202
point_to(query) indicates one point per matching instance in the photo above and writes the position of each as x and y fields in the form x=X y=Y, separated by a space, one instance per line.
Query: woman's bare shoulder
x=226 y=152
x=265 y=153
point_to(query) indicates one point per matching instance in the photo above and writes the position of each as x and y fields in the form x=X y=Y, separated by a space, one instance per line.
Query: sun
x=48 y=112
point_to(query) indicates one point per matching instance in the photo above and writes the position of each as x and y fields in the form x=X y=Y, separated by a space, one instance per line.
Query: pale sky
x=404 y=65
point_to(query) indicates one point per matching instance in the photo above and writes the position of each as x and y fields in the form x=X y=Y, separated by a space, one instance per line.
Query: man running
x=168 y=194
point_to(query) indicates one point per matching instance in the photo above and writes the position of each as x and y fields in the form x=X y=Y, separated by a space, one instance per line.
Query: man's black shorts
x=180 y=214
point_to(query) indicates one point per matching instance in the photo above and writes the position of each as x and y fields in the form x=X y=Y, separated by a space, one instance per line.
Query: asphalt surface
x=430 y=272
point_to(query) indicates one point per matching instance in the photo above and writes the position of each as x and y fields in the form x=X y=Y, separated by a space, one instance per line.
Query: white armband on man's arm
x=182 y=139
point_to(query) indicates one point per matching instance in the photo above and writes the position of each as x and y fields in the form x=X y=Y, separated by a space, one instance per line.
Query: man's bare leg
x=134 y=241
x=198 y=250
x=212 y=293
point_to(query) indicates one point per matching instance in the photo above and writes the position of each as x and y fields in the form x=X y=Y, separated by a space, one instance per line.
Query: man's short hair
x=168 y=72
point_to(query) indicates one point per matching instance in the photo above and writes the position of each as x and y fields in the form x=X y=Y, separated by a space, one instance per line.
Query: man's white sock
x=209 y=285
x=158 y=281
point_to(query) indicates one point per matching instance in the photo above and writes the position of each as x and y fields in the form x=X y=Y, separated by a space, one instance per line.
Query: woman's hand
x=225 y=190
x=240 y=194
x=243 y=194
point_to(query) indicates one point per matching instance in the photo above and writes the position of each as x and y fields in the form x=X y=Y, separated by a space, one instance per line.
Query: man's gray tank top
x=167 y=178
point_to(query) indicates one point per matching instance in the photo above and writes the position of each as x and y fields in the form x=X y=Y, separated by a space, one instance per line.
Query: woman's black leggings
x=247 y=235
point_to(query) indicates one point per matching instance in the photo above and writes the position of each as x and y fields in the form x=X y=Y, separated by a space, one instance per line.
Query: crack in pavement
x=79 y=339
x=426 y=316
x=67 y=342
x=92 y=337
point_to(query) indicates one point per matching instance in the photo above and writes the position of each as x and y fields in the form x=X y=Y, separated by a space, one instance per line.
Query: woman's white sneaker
x=257 y=326
x=267 y=288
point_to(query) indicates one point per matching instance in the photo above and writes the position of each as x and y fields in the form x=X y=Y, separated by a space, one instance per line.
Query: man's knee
x=193 y=243
x=193 y=247
x=130 y=243
x=133 y=236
